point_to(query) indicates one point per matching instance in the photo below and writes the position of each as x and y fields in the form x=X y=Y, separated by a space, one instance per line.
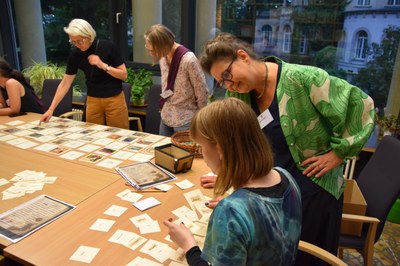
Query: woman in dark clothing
x=104 y=71
x=16 y=95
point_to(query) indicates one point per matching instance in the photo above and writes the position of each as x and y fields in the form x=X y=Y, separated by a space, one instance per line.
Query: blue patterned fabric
x=250 y=229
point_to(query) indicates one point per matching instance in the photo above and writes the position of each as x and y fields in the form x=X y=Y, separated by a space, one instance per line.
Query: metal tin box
x=173 y=158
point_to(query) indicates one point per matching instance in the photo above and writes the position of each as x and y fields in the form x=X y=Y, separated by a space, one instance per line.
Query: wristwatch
x=107 y=68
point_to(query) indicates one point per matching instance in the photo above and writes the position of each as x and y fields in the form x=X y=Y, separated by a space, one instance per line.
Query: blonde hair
x=80 y=27
x=161 y=38
x=233 y=126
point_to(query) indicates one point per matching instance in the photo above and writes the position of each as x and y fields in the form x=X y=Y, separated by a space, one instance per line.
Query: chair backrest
x=48 y=92
x=379 y=181
x=126 y=87
x=153 y=117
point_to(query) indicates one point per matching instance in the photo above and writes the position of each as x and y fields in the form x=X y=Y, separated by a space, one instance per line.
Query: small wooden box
x=173 y=158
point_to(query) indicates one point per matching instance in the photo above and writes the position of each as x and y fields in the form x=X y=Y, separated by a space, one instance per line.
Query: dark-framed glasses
x=77 y=42
x=226 y=77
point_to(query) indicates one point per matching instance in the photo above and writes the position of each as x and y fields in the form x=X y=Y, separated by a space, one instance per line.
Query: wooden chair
x=379 y=182
x=127 y=91
x=349 y=168
x=320 y=253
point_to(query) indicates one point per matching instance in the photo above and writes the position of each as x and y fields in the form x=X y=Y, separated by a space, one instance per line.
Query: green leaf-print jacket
x=319 y=113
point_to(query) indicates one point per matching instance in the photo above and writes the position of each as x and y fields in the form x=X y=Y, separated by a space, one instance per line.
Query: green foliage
x=57 y=14
x=320 y=21
x=375 y=78
x=388 y=122
x=76 y=91
x=326 y=59
x=41 y=71
x=140 y=81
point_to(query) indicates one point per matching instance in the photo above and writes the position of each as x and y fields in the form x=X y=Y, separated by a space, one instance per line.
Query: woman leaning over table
x=16 y=95
x=259 y=222
x=183 y=85
x=313 y=120
x=104 y=71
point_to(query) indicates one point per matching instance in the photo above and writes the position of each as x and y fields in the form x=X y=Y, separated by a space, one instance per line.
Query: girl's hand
x=180 y=234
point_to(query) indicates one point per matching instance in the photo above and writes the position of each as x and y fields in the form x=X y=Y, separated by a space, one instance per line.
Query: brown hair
x=7 y=72
x=233 y=126
x=224 y=46
x=161 y=38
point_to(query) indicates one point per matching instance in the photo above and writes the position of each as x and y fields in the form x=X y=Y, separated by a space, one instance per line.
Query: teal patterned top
x=319 y=113
x=246 y=228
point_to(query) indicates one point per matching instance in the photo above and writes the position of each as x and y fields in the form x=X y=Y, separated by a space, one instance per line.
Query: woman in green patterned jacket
x=314 y=121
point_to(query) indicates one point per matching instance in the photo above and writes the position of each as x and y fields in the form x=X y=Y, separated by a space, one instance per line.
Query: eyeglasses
x=226 y=77
x=77 y=42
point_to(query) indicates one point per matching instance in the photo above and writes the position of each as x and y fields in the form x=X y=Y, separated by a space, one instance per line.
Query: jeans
x=168 y=131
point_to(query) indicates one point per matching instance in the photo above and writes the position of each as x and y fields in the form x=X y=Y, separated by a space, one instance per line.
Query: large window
x=303 y=42
x=267 y=36
x=286 y=40
x=363 y=2
x=329 y=34
x=361 y=45
x=393 y=2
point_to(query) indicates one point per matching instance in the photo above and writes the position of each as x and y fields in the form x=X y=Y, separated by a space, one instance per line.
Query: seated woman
x=260 y=222
x=16 y=95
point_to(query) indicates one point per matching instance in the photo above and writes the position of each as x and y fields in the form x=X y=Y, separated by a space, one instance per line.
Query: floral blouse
x=190 y=91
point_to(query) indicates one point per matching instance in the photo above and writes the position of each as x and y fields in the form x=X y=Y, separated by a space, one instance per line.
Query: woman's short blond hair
x=161 y=39
x=80 y=27
x=233 y=126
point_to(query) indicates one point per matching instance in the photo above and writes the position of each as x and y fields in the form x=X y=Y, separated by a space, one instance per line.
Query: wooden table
x=74 y=183
x=92 y=189
x=55 y=243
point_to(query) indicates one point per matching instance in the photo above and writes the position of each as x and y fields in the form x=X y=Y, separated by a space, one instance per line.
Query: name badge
x=265 y=118
x=166 y=94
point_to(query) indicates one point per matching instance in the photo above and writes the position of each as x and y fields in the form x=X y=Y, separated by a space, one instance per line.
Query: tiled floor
x=386 y=252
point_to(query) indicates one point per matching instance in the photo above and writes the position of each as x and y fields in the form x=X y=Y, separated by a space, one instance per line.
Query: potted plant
x=140 y=82
x=388 y=125
x=38 y=72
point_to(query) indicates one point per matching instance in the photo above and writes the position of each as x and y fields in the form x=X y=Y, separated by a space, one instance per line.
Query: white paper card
x=146 y=203
x=84 y=254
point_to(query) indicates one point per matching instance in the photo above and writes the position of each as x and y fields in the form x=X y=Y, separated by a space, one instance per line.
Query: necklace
x=265 y=82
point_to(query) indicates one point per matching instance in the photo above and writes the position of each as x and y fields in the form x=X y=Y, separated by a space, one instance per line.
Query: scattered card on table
x=115 y=210
x=85 y=254
x=185 y=184
x=102 y=225
x=146 y=203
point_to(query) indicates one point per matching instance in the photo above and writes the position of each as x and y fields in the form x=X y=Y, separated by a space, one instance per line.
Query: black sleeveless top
x=29 y=102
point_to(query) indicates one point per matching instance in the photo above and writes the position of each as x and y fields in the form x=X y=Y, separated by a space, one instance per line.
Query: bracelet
x=107 y=68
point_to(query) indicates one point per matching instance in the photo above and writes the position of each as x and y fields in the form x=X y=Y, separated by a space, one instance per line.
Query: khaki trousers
x=111 y=111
